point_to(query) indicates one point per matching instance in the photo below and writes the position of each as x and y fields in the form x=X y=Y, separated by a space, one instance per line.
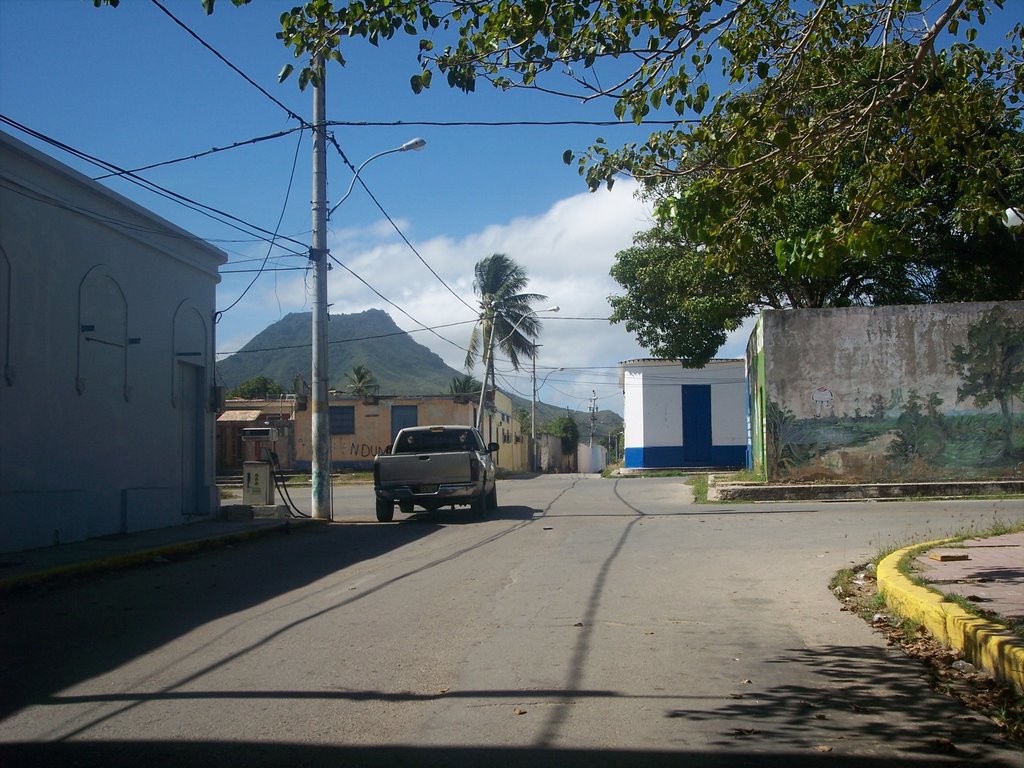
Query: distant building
x=360 y=428
x=684 y=417
x=106 y=342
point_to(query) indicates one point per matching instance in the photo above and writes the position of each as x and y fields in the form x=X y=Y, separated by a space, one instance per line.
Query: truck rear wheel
x=492 y=498
x=478 y=506
x=385 y=511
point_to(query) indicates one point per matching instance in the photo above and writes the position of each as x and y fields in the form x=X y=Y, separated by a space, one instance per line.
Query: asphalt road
x=587 y=622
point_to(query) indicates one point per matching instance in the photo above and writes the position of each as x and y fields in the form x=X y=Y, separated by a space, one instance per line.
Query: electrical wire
x=502 y=123
x=198 y=155
x=187 y=202
x=389 y=301
x=397 y=229
x=284 y=207
x=344 y=341
x=216 y=53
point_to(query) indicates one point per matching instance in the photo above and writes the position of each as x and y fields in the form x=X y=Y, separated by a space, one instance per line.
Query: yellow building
x=361 y=428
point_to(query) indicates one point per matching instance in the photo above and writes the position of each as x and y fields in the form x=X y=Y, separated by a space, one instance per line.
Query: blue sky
x=130 y=86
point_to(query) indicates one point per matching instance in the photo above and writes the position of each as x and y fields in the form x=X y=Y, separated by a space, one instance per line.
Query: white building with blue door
x=684 y=417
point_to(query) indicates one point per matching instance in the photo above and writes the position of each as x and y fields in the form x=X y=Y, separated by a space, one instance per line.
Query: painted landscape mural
x=876 y=394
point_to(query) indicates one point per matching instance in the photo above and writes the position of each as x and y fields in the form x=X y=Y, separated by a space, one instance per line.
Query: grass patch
x=699 y=484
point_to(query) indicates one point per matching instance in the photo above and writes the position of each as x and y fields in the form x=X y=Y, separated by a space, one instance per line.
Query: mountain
x=400 y=365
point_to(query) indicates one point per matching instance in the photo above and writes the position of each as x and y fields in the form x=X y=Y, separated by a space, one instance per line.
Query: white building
x=106 y=342
x=684 y=417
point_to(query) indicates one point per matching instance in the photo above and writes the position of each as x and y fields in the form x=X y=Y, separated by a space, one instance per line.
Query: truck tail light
x=376 y=474
x=474 y=468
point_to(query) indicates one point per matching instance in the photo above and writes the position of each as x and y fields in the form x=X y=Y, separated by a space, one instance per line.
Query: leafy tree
x=257 y=388
x=878 y=66
x=566 y=428
x=525 y=420
x=992 y=366
x=466 y=384
x=361 y=382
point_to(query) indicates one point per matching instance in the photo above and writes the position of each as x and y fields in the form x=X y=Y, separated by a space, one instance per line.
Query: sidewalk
x=989 y=574
x=35 y=566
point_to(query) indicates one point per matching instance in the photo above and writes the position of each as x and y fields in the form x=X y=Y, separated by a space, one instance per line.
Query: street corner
x=988 y=644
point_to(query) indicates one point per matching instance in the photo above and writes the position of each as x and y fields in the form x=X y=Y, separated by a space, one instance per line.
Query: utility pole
x=320 y=406
x=533 y=412
x=593 y=414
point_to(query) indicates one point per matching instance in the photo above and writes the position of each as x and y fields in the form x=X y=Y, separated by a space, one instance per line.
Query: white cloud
x=567 y=252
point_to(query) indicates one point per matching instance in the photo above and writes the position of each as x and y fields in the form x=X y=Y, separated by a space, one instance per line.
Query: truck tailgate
x=417 y=469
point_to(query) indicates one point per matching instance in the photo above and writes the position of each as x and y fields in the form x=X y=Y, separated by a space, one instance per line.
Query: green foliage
x=257 y=388
x=508 y=322
x=361 y=382
x=811 y=88
x=371 y=338
x=525 y=420
x=465 y=384
x=566 y=428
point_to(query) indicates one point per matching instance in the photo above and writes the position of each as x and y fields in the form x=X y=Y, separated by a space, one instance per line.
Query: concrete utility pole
x=593 y=414
x=320 y=407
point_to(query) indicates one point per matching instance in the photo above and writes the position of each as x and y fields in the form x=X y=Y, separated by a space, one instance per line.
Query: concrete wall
x=106 y=340
x=684 y=417
x=924 y=392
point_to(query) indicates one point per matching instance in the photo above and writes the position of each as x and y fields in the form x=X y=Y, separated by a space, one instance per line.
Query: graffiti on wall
x=909 y=434
x=365 y=450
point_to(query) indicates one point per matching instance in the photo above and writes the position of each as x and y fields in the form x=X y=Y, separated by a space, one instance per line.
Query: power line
x=150 y=186
x=344 y=341
x=208 y=152
x=501 y=123
x=389 y=301
x=216 y=53
x=397 y=229
x=284 y=207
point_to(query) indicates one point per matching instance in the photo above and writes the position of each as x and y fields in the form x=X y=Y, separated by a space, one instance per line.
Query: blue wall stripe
x=722 y=456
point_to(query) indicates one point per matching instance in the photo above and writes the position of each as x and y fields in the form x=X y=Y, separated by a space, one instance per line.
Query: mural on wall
x=914 y=435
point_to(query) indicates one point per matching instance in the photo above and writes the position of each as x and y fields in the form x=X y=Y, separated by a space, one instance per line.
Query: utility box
x=257 y=483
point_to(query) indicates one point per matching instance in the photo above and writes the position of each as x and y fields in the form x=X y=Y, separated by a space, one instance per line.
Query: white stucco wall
x=654 y=415
x=107 y=322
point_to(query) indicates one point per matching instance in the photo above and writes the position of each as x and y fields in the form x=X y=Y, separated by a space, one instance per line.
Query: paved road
x=588 y=622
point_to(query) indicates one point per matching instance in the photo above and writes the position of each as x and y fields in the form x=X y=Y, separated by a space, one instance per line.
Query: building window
x=343 y=419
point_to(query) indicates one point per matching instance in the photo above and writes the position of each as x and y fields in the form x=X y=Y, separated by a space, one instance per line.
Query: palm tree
x=506 y=318
x=361 y=382
x=466 y=384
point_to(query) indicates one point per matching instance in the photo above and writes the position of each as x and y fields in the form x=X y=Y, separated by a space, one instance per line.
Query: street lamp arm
x=415 y=144
x=521 y=319
x=542 y=381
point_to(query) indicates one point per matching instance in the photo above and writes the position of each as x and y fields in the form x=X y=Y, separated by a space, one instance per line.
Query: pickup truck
x=433 y=467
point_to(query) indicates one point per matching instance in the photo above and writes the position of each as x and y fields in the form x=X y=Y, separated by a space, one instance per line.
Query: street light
x=1013 y=220
x=319 y=403
x=413 y=144
x=489 y=363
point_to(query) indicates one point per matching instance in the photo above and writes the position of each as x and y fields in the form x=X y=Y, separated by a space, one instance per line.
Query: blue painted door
x=697 y=424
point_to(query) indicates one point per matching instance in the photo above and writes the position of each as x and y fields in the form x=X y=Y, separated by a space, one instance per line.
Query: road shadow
x=464 y=516
x=57 y=634
x=172 y=754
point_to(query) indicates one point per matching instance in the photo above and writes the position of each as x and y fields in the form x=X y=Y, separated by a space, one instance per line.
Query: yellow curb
x=986 y=644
